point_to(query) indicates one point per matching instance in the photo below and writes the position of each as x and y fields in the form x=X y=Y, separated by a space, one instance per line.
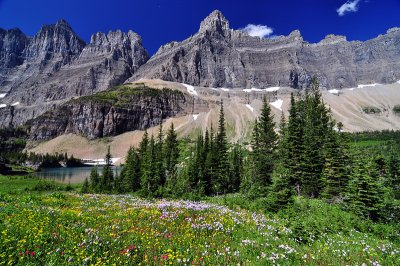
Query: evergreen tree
x=107 y=177
x=171 y=152
x=221 y=150
x=335 y=171
x=236 y=168
x=316 y=126
x=394 y=176
x=94 y=180
x=365 y=193
x=295 y=145
x=263 y=151
x=85 y=186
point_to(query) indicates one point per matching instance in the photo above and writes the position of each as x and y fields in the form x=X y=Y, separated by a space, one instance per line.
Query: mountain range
x=41 y=73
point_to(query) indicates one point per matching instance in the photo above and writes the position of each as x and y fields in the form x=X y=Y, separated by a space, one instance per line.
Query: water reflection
x=71 y=175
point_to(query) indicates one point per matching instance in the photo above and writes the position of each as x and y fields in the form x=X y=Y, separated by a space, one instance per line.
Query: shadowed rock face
x=114 y=112
x=56 y=65
x=218 y=56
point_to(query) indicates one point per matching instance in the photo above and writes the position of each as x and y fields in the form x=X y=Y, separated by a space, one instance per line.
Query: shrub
x=371 y=110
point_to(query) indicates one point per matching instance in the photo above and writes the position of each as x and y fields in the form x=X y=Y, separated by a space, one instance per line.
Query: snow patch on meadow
x=361 y=86
x=277 y=104
x=271 y=89
x=252 y=89
x=250 y=108
x=334 y=91
x=195 y=117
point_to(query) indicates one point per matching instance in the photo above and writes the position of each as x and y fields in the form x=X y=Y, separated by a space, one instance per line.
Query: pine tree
x=365 y=193
x=263 y=151
x=85 y=186
x=171 y=152
x=394 y=175
x=94 y=180
x=335 y=171
x=221 y=149
x=295 y=145
x=107 y=177
x=236 y=168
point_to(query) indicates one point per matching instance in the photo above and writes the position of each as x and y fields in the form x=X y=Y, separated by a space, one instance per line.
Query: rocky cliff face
x=55 y=65
x=114 y=112
x=218 y=56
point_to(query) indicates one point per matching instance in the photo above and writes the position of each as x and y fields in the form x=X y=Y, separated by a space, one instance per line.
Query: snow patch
x=15 y=104
x=195 y=117
x=271 y=89
x=224 y=89
x=277 y=104
x=250 y=108
x=334 y=91
x=99 y=161
x=350 y=89
x=367 y=85
x=3 y=105
x=2 y=95
x=252 y=89
x=398 y=81
x=190 y=89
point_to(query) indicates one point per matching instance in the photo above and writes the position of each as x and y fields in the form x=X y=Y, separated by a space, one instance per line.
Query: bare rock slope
x=55 y=65
x=218 y=56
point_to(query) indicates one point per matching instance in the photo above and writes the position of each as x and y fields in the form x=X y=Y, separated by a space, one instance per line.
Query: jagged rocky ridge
x=44 y=71
x=56 y=65
x=218 y=56
x=113 y=112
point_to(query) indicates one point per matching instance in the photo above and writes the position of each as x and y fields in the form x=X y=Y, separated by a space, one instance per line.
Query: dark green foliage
x=263 y=153
x=94 y=180
x=371 y=110
x=85 y=186
x=396 y=109
x=365 y=193
x=220 y=182
x=107 y=176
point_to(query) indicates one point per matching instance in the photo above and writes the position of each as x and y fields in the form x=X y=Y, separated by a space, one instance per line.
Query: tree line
x=306 y=155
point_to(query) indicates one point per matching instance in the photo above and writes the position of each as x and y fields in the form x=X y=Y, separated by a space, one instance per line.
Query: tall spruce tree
x=365 y=190
x=221 y=149
x=171 y=152
x=263 y=151
x=94 y=180
x=107 y=177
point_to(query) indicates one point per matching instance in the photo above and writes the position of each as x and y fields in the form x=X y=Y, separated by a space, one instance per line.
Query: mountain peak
x=62 y=22
x=216 y=21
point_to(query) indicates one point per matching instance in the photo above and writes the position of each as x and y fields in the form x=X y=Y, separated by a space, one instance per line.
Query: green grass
x=42 y=224
x=21 y=184
x=125 y=95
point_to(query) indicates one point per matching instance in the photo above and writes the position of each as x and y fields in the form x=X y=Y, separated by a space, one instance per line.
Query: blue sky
x=162 y=21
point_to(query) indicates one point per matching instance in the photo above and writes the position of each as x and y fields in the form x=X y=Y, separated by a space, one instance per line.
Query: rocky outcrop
x=56 y=65
x=114 y=112
x=218 y=56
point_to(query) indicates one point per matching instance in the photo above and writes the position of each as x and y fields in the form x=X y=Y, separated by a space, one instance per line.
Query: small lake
x=71 y=175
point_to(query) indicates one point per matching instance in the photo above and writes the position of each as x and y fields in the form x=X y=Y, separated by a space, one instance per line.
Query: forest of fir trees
x=306 y=155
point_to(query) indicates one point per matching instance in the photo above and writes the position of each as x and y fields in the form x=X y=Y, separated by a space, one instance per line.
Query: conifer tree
x=335 y=171
x=295 y=145
x=85 y=186
x=365 y=193
x=221 y=150
x=107 y=177
x=171 y=152
x=94 y=180
x=263 y=151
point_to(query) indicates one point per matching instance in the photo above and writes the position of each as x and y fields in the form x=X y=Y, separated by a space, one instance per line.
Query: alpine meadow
x=230 y=147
